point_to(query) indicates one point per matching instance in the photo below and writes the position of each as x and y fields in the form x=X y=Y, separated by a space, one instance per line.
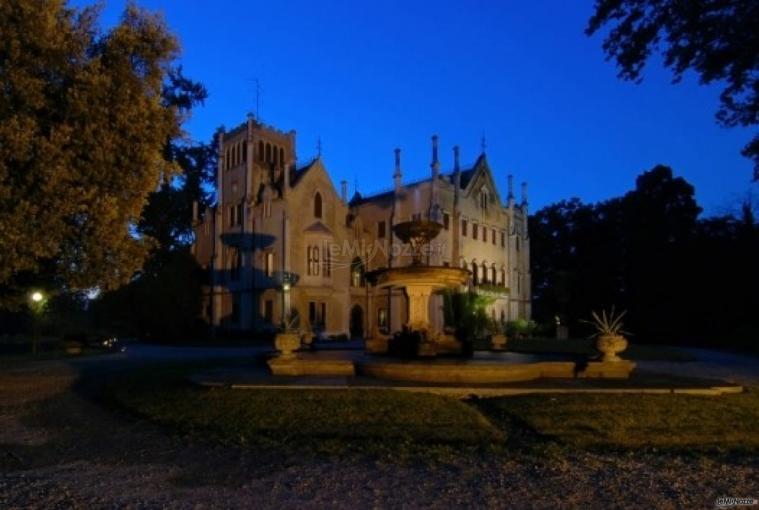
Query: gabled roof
x=302 y=171
x=318 y=227
x=468 y=175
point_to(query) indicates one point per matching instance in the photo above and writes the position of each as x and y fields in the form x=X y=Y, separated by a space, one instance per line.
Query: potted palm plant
x=610 y=340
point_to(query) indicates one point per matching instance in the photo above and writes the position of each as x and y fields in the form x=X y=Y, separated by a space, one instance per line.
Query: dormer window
x=317 y=205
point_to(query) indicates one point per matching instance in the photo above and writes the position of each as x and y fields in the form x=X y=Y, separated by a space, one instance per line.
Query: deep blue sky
x=369 y=76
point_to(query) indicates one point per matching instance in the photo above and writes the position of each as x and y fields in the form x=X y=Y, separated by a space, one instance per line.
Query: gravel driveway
x=59 y=449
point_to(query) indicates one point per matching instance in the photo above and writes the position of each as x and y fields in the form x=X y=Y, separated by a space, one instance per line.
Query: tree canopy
x=87 y=118
x=718 y=39
x=681 y=278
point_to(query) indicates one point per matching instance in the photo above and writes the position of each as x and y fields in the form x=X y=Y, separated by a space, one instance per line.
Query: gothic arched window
x=318 y=205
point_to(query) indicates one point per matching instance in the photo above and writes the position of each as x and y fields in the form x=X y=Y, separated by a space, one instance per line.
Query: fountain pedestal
x=418 y=306
x=420 y=283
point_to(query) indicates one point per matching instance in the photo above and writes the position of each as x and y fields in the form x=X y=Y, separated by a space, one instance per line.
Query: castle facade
x=282 y=237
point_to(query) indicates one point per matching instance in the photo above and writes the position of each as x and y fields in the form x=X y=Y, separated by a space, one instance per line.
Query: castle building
x=281 y=237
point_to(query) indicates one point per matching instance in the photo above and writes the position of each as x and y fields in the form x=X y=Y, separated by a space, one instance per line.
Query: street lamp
x=285 y=298
x=37 y=306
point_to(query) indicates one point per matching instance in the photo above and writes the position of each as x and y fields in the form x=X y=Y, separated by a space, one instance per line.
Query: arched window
x=281 y=156
x=327 y=261
x=268 y=153
x=357 y=273
x=261 y=151
x=484 y=273
x=313 y=260
x=503 y=277
x=493 y=278
x=475 y=273
x=318 y=205
x=275 y=155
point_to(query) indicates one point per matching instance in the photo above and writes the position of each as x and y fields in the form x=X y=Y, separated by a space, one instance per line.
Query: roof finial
x=456 y=166
x=483 y=143
x=319 y=147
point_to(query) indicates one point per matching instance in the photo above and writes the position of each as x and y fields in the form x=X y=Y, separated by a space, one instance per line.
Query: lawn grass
x=678 y=422
x=586 y=347
x=331 y=421
x=402 y=425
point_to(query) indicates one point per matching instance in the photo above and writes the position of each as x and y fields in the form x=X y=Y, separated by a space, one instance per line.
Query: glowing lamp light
x=37 y=296
x=286 y=285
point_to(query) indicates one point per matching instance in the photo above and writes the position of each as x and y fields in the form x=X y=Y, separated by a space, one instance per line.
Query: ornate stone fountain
x=420 y=281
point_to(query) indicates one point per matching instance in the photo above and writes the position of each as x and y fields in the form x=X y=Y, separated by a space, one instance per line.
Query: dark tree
x=718 y=39
x=682 y=279
x=85 y=118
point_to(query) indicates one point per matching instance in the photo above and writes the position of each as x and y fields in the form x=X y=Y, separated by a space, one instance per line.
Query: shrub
x=520 y=328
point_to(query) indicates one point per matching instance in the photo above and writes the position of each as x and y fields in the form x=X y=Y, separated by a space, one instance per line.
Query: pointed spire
x=483 y=144
x=510 y=198
x=319 y=147
x=524 y=194
x=397 y=175
x=435 y=162
x=456 y=174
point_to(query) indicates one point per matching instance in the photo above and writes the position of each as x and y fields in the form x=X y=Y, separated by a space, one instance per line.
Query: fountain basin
x=436 y=277
x=446 y=372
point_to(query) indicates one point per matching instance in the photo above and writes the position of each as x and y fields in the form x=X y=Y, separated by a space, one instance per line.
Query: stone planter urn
x=287 y=344
x=610 y=346
x=498 y=342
